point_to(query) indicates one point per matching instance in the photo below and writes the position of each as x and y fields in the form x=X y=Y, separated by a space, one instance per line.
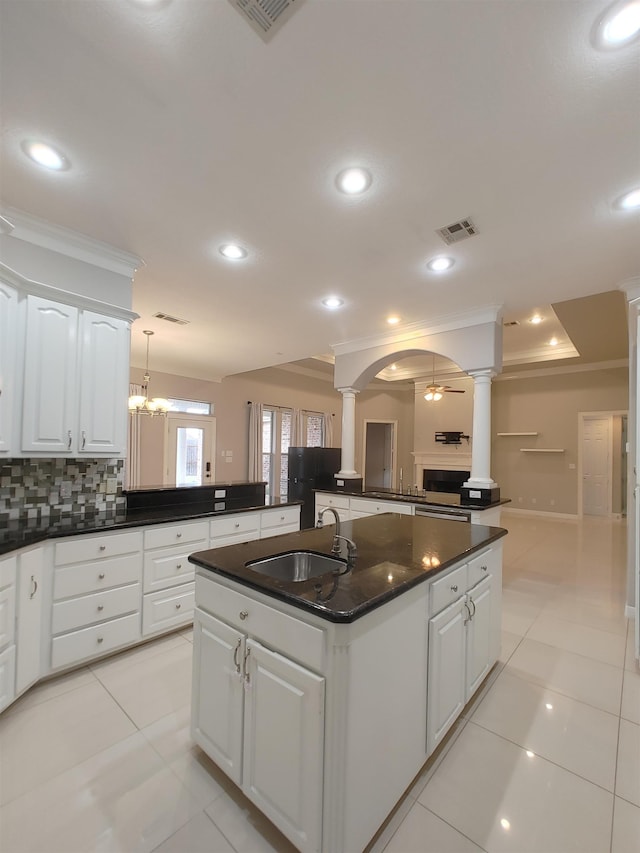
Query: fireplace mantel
x=455 y=460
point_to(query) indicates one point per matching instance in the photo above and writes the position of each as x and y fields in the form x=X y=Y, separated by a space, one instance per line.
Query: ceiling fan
x=435 y=392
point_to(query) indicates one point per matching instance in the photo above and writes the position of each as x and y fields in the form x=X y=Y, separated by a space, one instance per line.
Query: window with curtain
x=276 y=437
x=313 y=429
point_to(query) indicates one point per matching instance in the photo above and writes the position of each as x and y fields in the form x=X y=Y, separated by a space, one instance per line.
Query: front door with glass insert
x=190 y=451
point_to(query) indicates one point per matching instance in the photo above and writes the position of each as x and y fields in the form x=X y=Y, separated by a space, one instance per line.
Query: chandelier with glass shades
x=140 y=404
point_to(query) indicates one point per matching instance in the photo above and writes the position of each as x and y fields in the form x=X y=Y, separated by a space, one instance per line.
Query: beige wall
x=454 y=413
x=274 y=387
x=549 y=406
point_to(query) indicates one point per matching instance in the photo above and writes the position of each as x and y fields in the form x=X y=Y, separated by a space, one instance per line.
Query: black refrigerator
x=311 y=468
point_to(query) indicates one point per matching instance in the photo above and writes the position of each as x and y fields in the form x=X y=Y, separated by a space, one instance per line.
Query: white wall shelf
x=542 y=450
x=517 y=433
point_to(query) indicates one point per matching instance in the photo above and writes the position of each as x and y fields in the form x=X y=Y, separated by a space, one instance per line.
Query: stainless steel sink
x=297 y=565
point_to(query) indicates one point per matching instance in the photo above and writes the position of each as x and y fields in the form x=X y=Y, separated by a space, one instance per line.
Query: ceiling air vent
x=171 y=319
x=266 y=16
x=511 y=323
x=457 y=231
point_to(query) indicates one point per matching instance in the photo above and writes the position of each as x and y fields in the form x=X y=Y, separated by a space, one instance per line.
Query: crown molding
x=558 y=371
x=421 y=329
x=31 y=229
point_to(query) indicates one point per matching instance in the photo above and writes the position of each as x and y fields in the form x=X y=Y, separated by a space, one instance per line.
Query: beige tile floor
x=545 y=758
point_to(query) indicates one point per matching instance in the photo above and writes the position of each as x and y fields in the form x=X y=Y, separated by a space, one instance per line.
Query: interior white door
x=379 y=446
x=596 y=466
x=190 y=450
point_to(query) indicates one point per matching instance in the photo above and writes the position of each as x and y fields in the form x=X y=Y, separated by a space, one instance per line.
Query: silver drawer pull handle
x=101 y=576
x=100 y=607
x=483 y=568
x=178 y=606
x=247 y=678
x=237 y=524
x=282 y=518
x=103 y=548
x=100 y=639
x=34 y=587
x=68 y=439
x=84 y=440
x=236 y=662
x=178 y=535
x=244 y=614
x=454 y=588
x=179 y=566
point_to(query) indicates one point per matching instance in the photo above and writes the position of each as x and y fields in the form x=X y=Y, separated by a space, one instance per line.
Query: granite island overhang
x=395 y=552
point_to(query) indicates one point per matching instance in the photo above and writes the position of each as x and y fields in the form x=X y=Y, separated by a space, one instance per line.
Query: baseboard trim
x=562 y=515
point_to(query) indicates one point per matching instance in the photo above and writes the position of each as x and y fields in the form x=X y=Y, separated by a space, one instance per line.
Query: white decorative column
x=481 y=436
x=348 y=460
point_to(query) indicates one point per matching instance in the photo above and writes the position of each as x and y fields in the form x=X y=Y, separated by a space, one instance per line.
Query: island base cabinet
x=446 y=668
x=218 y=693
x=260 y=717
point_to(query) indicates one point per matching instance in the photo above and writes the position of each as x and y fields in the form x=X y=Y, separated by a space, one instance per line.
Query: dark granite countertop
x=19 y=534
x=444 y=500
x=395 y=553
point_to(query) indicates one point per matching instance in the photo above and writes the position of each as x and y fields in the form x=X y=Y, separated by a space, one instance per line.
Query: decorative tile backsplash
x=47 y=490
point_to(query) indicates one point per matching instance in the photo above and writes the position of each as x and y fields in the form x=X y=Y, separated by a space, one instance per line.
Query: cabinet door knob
x=178 y=606
x=100 y=608
x=103 y=548
x=244 y=614
x=100 y=639
x=179 y=566
x=282 y=518
x=178 y=535
x=237 y=524
x=101 y=576
x=454 y=587
x=483 y=568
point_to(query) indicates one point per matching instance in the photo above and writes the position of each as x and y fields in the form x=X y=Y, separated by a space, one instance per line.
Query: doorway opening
x=379 y=451
x=190 y=443
x=602 y=464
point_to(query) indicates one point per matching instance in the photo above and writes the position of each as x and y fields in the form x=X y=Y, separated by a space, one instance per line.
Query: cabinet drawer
x=7 y=616
x=92 y=577
x=276 y=518
x=88 y=609
x=168 y=609
x=96 y=640
x=7 y=676
x=336 y=501
x=481 y=567
x=88 y=548
x=171 y=566
x=176 y=534
x=235 y=525
x=371 y=507
x=8 y=571
x=447 y=589
x=277 y=630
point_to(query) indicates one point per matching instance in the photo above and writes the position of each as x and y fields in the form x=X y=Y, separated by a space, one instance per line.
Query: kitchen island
x=323 y=698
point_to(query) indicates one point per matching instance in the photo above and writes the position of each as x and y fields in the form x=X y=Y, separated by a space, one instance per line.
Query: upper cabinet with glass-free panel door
x=8 y=326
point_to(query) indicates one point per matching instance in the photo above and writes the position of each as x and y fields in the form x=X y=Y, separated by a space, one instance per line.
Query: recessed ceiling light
x=553 y=342
x=353 y=180
x=619 y=25
x=440 y=264
x=393 y=321
x=45 y=155
x=233 y=252
x=629 y=201
x=535 y=319
x=333 y=302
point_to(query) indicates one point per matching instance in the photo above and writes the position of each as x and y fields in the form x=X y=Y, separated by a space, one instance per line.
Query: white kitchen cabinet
x=362 y=507
x=338 y=502
x=462 y=640
x=8 y=369
x=231 y=529
x=104 y=380
x=7 y=630
x=30 y=591
x=279 y=520
x=75 y=381
x=49 y=422
x=97 y=594
x=260 y=716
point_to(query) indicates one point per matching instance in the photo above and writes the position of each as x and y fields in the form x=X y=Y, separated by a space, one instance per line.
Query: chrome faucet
x=336 y=548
